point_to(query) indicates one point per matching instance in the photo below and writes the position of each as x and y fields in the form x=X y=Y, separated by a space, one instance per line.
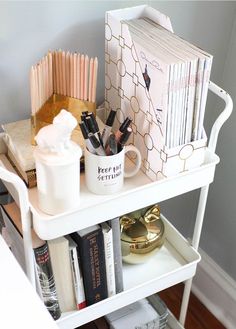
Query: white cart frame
x=49 y=227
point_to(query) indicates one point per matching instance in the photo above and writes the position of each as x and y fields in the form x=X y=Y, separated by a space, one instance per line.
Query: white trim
x=216 y=290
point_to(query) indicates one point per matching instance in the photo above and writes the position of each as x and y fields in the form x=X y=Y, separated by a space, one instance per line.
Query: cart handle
x=224 y=115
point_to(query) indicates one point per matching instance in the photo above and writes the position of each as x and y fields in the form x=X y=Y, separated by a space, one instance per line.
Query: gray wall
x=29 y=29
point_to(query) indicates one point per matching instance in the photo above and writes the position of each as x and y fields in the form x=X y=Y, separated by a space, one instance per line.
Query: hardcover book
x=45 y=278
x=91 y=248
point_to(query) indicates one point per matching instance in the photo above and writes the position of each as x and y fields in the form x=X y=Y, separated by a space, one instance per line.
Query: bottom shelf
x=175 y=262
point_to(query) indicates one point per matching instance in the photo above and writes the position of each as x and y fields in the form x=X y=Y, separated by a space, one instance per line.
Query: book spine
x=92 y=255
x=115 y=225
x=77 y=279
x=109 y=256
x=46 y=280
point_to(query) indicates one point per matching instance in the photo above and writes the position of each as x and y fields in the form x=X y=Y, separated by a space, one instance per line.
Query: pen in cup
x=93 y=127
x=111 y=148
x=124 y=138
x=96 y=144
x=85 y=133
x=123 y=128
x=108 y=125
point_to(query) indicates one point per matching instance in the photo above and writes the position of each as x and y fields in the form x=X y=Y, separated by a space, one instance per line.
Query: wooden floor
x=198 y=317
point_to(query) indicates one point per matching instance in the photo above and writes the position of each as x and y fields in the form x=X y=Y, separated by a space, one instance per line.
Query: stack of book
x=20 y=151
x=73 y=271
x=17 y=137
x=176 y=74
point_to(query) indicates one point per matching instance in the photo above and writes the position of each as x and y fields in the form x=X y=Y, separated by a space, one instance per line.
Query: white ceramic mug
x=105 y=174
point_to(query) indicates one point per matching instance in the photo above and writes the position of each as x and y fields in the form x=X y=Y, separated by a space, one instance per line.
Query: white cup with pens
x=105 y=168
x=105 y=174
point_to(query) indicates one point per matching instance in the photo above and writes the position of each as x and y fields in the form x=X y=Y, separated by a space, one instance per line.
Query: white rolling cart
x=175 y=262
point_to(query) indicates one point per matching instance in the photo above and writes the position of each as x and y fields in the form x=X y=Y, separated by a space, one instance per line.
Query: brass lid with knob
x=142 y=234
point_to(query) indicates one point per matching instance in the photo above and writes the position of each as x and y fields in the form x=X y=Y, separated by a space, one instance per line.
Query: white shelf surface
x=137 y=192
x=175 y=262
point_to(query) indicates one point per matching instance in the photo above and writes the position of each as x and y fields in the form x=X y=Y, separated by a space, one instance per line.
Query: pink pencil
x=50 y=74
x=58 y=72
x=78 y=78
x=82 y=77
x=60 y=88
x=67 y=73
x=46 y=84
x=53 y=66
x=86 y=65
x=71 y=75
x=90 y=78
x=36 y=91
x=74 y=59
x=95 y=72
x=63 y=57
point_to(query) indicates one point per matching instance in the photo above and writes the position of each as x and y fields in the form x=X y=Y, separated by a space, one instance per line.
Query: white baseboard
x=216 y=290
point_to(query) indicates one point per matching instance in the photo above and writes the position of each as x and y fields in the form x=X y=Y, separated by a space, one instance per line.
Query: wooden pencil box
x=62 y=80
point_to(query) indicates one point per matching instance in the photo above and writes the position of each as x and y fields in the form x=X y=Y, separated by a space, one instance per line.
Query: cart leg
x=195 y=244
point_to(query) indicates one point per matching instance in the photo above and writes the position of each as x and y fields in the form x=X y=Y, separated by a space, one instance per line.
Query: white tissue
x=56 y=136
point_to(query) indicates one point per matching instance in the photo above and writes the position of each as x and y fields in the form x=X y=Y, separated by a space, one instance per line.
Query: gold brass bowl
x=142 y=234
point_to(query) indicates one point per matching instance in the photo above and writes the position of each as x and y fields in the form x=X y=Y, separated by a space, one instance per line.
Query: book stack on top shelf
x=160 y=81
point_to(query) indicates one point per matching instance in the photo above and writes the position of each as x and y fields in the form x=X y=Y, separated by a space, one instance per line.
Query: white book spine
x=77 y=279
x=109 y=256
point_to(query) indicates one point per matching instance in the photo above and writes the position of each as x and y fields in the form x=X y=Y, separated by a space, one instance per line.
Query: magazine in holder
x=126 y=92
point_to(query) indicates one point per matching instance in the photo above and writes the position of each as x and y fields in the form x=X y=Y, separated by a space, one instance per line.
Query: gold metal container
x=45 y=115
x=142 y=234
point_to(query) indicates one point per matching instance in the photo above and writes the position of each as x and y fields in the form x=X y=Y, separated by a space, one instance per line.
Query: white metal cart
x=175 y=262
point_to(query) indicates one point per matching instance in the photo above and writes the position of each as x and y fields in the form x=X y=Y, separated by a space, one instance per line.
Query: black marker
x=108 y=126
x=123 y=128
x=97 y=146
x=111 y=148
x=84 y=115
x=85 y=133
x=124 y=138
x=93 y=127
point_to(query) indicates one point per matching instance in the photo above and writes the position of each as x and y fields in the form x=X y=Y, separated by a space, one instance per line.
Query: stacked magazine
x=176 y=74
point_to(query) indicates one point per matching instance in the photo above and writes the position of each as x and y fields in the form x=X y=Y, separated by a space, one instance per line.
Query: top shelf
x=137 y=192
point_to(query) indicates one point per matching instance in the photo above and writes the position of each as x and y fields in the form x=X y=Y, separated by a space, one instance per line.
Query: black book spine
x=46 y=280
x=92 y=255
